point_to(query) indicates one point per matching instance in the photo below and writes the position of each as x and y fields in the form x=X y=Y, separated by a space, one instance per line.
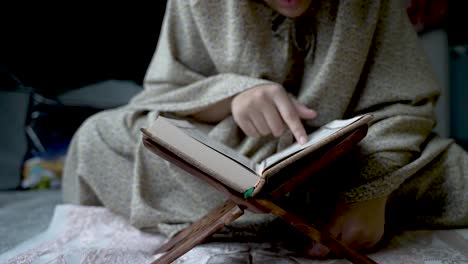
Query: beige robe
x=354 y=57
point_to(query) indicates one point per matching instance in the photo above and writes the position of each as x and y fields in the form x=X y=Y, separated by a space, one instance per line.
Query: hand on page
x=268 y=109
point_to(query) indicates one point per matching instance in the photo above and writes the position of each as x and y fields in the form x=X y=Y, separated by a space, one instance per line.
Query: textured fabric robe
x=343 y=58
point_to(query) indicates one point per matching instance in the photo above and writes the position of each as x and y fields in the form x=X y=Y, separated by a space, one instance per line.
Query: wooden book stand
x=235 y=204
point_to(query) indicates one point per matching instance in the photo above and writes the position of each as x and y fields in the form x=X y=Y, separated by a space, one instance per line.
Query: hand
x=358 y=225
x=268 y=109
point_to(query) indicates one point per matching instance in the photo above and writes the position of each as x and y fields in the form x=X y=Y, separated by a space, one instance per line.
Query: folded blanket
x=79 y=234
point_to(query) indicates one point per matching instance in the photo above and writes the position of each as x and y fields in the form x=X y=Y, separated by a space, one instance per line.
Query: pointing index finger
x=291 y=117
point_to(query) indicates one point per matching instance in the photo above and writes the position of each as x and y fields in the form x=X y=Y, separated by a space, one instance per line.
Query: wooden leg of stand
x=199 y=231
x=309 y=230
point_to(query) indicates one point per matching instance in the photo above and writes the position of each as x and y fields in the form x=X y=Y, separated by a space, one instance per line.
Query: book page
x=315 y=139
x=197 y=132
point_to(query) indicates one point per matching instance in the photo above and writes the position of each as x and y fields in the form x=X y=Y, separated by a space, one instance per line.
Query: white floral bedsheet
x=79 y=234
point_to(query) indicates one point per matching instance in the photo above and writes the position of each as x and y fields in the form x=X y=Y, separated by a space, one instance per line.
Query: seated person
x=260 y=72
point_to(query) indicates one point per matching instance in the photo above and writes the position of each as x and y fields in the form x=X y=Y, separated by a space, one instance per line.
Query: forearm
x=215 y=112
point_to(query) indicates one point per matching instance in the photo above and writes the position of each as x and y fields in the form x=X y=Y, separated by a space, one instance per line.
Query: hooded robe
x=342 y=58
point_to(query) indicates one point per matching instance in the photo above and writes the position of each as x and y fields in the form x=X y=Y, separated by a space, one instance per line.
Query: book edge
x=241 y=188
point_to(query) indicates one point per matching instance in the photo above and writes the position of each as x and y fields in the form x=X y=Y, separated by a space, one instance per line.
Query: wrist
x=215 y=112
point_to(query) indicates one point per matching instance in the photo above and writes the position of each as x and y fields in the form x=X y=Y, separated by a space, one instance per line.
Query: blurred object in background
x=459 y=94
x=14 y=102
x=427 y=14
x=436 y=46
x=39 y=173
x=53 y=121
x=38 y=129
x=49 y=127
x=458 y=39
x=442 y=26
x=429 y=18
x=51 y=124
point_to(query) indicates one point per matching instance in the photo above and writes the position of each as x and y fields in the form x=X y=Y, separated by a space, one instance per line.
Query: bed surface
x=79 y=234
x=24 y=214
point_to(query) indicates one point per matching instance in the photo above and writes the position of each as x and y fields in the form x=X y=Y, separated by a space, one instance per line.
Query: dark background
x=457 y=19
x=60 y=47
x=56 y=48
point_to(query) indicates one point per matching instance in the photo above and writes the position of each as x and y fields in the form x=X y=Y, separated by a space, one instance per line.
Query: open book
x=187 y=141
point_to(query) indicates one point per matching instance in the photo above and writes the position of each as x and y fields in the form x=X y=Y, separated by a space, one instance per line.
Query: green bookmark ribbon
x=249 y=192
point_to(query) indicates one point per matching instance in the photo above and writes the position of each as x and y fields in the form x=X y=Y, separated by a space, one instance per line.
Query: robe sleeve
x=182 y=77
x=399 y=88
